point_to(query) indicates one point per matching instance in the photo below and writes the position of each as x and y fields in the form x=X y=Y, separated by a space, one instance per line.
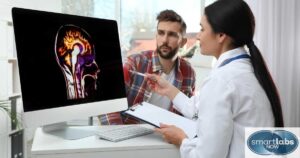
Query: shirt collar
x=156 y=66
x=229 y=54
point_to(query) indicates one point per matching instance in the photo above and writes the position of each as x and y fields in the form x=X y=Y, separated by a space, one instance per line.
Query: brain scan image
x=75 y=55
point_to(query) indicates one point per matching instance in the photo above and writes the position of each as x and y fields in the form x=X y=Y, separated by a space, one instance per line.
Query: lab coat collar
x=229 y=54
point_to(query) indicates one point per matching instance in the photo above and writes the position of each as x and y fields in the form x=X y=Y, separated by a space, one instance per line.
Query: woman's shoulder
x=232 y=76
x=233 y=71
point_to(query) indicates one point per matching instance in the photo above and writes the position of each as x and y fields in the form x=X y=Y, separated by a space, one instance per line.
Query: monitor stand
x=62 y=130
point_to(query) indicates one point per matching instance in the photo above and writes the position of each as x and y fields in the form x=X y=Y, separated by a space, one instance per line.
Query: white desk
x=149 y=146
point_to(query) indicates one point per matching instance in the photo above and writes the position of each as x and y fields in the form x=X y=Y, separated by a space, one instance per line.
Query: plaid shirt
x=136 y=88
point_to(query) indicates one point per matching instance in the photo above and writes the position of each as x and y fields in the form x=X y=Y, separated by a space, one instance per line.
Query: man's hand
x=161 y=86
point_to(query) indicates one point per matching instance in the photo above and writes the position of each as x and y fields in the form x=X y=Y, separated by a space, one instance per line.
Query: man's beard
x=169 y=55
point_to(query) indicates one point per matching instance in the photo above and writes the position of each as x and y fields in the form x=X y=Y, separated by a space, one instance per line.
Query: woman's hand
x=171 y=134
x=161 y=86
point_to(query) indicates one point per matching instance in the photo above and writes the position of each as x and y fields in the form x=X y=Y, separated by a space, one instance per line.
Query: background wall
x=278 y=38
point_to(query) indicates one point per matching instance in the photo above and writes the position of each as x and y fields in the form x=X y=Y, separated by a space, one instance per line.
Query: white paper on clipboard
x=154 y=115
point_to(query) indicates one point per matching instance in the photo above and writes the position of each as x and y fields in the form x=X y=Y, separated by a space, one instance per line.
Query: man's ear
x=183 y=42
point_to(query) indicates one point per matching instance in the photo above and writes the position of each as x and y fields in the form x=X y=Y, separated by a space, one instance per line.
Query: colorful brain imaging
x=75 y=54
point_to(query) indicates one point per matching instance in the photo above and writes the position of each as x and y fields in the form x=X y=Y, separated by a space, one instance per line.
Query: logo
x=272 y=142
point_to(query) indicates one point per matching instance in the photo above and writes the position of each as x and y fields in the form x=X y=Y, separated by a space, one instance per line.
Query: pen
x=140 y=74
x=137 y=73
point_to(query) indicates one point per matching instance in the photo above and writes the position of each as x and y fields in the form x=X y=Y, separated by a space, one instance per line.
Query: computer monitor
x=70 y=66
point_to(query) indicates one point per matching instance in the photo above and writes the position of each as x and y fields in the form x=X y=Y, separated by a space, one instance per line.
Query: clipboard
x=154 y=115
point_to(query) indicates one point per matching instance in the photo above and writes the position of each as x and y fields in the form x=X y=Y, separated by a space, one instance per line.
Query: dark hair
x=235 y=18
x=170 y=15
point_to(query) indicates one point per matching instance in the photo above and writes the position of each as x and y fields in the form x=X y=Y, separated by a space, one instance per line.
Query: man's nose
x=165 y=39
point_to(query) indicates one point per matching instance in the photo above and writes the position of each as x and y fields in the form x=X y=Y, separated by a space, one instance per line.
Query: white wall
x=47 y=5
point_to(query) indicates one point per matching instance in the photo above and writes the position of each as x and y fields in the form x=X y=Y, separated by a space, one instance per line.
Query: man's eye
x=160 y=32
x=173 y=34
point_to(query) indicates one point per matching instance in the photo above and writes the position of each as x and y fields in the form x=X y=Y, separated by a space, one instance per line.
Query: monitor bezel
x=80 y=111
x=49 y=116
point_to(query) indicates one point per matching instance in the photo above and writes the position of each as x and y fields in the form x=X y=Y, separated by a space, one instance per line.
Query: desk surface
x=152 y=146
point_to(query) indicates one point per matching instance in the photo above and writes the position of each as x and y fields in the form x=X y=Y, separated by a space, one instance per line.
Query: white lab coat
x=230 y=99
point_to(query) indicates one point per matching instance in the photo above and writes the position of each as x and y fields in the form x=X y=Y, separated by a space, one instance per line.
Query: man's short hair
x=170 y=15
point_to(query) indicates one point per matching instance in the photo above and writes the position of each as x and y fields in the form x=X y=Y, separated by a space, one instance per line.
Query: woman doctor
x=238 y=93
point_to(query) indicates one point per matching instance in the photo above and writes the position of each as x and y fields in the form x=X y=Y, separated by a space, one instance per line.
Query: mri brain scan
x=75 y=54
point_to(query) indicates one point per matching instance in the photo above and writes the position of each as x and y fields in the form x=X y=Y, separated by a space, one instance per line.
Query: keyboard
x=124 y=132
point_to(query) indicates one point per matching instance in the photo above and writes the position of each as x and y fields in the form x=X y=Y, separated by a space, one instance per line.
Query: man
x=164 y=61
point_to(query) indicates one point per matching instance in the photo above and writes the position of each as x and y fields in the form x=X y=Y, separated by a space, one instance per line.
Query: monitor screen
x=70 y=66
